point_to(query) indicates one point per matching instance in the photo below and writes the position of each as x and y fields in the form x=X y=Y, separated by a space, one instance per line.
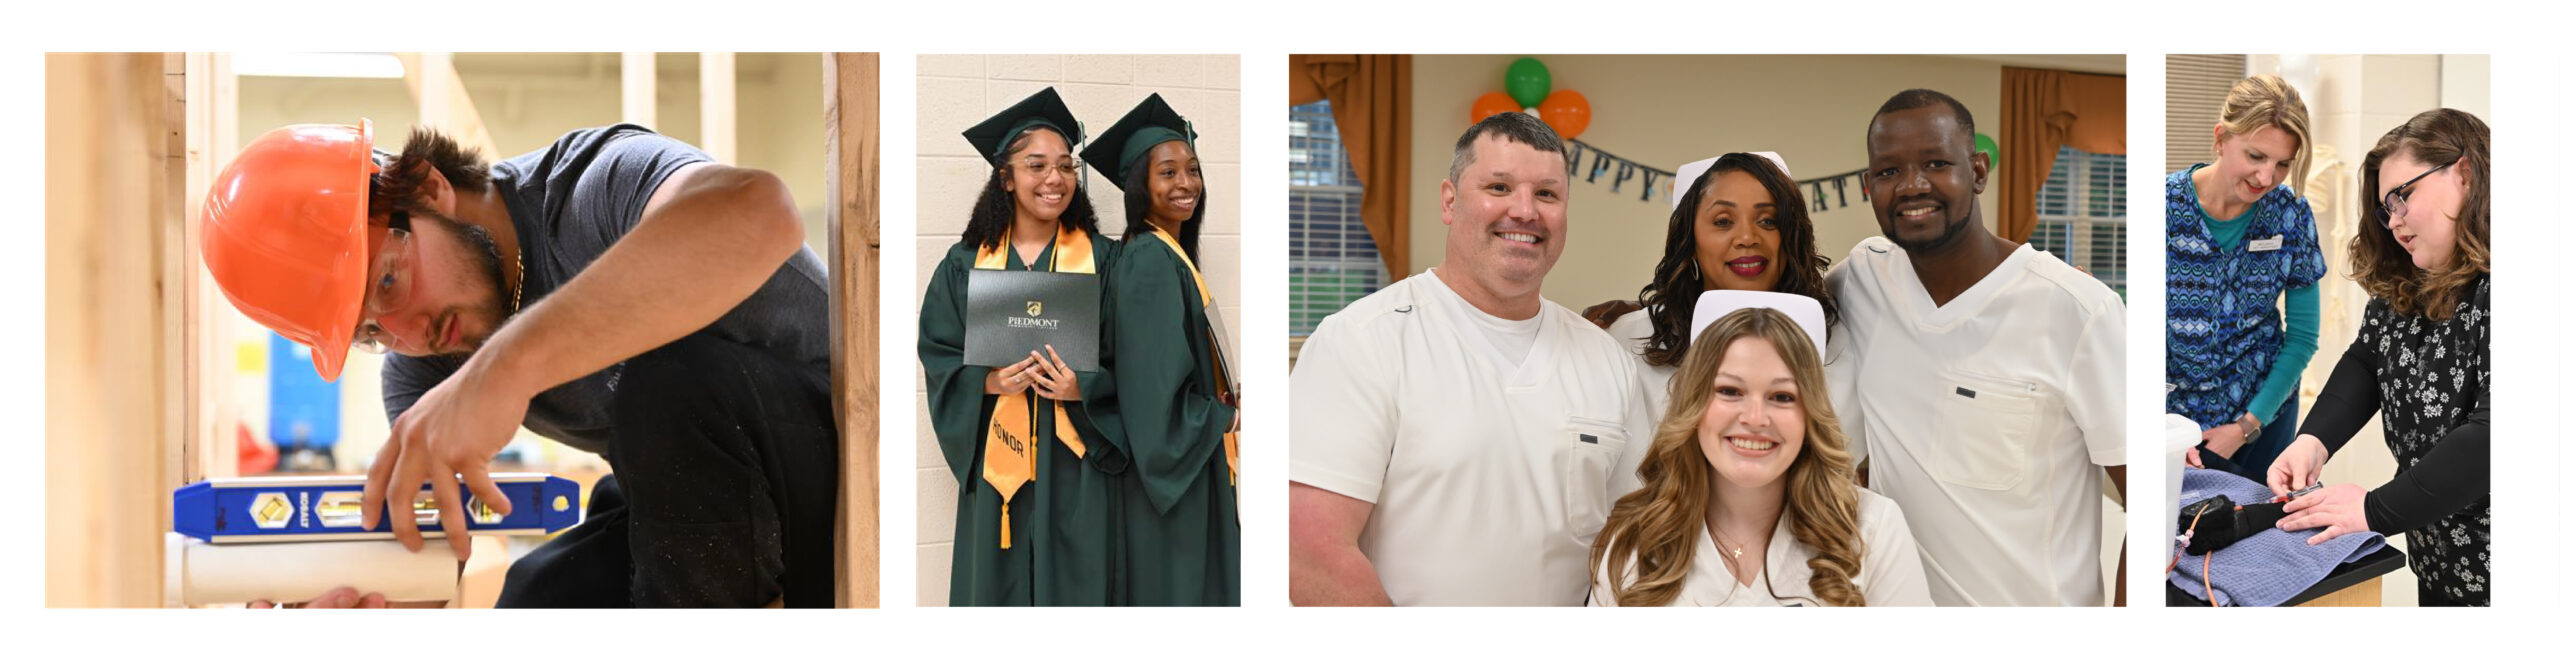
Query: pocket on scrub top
x=1985 y=425
x=1595 y=445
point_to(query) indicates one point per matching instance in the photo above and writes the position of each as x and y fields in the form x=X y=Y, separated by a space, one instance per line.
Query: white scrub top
x=1489 y=479
x=1888 y=571
x=1988 y=420
x=1631 y=330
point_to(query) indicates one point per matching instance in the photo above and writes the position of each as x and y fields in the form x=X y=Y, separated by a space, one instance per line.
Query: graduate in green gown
x=1172 y=407
x=1037 y=521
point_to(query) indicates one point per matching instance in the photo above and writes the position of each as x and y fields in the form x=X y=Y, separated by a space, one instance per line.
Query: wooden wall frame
x=852 y=99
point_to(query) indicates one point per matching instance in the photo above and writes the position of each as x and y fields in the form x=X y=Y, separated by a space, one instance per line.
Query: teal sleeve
x=2301 y=337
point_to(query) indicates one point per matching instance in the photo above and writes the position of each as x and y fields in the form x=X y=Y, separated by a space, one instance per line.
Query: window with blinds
x=2080 y=214
x=1332 y=260
x=2197 y=84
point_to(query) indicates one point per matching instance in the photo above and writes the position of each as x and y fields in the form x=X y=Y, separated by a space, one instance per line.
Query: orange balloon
x=1567 y=112
x=1492 y=103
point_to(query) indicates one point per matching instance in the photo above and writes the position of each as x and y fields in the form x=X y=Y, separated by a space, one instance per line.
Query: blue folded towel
x=2267 y=568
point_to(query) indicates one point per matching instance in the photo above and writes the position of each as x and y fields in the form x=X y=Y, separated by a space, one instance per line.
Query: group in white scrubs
x=1458 y=440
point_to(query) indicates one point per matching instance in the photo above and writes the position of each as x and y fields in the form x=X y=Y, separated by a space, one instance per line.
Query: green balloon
x=1527 y=81
x=1982 y=143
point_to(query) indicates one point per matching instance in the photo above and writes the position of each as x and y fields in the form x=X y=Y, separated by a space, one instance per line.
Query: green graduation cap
x=1042 y=109
x=1152 y=123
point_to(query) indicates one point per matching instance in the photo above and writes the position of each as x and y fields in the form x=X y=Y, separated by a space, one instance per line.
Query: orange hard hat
x=284 y=234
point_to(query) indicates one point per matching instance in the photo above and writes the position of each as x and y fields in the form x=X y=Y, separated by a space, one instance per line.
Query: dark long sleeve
x=955 y=392
x=2452 y=476
x=2353 y=394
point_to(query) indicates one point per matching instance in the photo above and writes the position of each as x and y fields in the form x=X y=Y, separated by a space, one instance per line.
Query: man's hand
x=455 y=428
x=2339 y=508
x=2299 y=466
x=1053 y=378
x=344 y=597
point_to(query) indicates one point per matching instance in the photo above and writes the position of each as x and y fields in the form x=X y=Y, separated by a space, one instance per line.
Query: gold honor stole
x=1013 y=434
x=1220 y=368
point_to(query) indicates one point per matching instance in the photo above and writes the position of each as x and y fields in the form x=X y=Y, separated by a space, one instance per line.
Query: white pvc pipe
x=201 y=574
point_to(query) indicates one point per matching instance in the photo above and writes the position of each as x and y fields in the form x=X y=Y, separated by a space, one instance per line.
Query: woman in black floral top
x=2421 y=358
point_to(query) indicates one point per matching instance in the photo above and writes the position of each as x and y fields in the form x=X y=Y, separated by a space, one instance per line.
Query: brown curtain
x=1372 y=99
x=2040 y=112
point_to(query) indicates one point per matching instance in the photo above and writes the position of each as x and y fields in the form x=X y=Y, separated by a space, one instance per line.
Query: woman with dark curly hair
x=1751 y=464
x=2421 y=358
x=1036 y=517
x=1738 y=223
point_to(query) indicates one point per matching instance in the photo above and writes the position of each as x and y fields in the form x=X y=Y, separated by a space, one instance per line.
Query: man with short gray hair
x=1455 y=438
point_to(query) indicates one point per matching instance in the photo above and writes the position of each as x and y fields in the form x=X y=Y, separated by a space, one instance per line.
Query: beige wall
x=954 y=92
x=2353 y=100
x=528 y=100
x=1663 y=111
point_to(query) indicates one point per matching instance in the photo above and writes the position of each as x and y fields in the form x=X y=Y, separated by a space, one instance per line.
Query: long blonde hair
x=2267 y=100
x=1656 y=528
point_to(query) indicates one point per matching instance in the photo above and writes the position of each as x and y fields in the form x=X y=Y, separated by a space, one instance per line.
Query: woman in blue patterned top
x=2238 y=238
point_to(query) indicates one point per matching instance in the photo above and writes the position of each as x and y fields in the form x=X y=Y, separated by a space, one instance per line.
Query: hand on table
x=455 y=428
x=2339 y=508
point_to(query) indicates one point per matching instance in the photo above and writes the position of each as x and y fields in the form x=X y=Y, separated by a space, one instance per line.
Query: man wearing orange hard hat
x=616 y=291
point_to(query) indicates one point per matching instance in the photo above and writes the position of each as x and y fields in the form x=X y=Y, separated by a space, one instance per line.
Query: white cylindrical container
x=2182 y=434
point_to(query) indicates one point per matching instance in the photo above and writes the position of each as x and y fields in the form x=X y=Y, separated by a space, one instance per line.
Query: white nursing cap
x=1804 y=311
x=1689 y=173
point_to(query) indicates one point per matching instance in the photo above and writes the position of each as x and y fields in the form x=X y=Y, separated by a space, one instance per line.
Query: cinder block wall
x=954 y=92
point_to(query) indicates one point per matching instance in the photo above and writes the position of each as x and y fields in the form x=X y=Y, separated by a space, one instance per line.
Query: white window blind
x=2080 y=214
x=1332 y=259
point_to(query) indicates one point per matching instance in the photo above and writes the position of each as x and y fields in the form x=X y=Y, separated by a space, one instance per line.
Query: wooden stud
x=640 y=89
x=852 y=99
x=212 y=130
x=112 y=342
x=720 y=106
x=443 y=103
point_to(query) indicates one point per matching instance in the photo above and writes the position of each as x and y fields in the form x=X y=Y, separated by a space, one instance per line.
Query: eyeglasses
x=388 y=288
x=1041 y=169
x=2397 y=201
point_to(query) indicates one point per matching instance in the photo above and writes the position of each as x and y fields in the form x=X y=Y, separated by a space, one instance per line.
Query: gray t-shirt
x=571 y=201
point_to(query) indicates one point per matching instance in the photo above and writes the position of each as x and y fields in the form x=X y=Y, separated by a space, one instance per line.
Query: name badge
x=2266 y=244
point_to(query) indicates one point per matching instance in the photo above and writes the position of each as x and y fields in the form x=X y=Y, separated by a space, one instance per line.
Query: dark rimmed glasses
x=2397 y=201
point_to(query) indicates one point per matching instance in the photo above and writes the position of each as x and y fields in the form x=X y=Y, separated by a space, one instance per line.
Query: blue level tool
x=331 y=507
